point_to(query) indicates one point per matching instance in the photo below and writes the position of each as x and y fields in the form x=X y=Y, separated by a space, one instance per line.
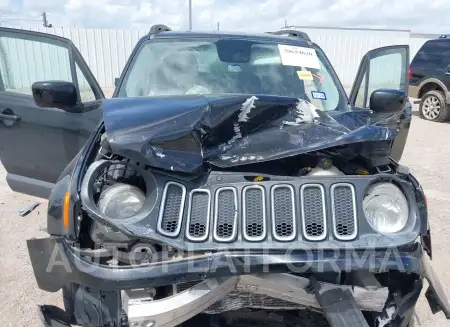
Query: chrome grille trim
x=207 y=217
x=333 y=210
x=305 y=234
x=244 y=214
x=162 y=209
x=274 y=223
x=216 y=212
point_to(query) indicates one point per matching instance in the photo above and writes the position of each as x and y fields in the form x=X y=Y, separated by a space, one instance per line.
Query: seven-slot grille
x=254 y=213
x=280 y=209
x=313 y=212
x=198 y=215
x=225 y=219
x=283 y=212
x=344 y=211
x=171 y=212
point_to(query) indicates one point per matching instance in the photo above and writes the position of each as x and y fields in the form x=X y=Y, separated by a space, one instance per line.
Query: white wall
x=106 y=51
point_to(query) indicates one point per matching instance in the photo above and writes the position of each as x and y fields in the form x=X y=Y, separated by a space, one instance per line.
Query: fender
x=68 y=182
x=55 y=225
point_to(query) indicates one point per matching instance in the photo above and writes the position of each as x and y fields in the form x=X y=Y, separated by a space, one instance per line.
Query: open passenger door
x=36 y=144
x=385 y=68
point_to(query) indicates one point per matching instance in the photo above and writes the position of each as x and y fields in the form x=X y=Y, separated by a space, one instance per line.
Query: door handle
x=10 y=117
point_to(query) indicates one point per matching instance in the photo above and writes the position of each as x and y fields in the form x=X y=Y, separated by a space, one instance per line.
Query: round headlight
x=386 y=208
x=121 y=201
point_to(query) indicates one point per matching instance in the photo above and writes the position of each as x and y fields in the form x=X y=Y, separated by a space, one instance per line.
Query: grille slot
x=254 y=209
x=225 y=218
x=344 y=211
x=313 y=212
x=283 y=212
x=198 y=215
x=172 y=206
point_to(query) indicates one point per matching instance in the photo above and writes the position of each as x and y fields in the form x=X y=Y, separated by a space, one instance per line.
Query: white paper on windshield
x=298 y=56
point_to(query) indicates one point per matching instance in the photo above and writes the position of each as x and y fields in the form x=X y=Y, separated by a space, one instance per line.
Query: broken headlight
x=386 y=208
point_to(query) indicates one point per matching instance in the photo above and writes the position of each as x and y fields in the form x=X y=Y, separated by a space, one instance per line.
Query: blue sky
x=428 y=16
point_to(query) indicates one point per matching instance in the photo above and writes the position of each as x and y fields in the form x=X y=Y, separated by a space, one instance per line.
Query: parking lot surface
x=427 y=153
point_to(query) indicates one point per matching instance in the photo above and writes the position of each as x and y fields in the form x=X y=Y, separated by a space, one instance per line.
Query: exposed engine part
x=271 y=291
x=141 y=295
x=318 y=171
x=142 y=253
x=104 y=151
x=101 y=234
x=114 y=172
x=130 y=253
x=324 y=163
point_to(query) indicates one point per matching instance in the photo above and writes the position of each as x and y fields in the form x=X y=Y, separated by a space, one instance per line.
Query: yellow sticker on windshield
x=305 y=75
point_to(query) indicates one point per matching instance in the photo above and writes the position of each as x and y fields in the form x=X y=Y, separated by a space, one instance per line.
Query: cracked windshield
x=231 y=66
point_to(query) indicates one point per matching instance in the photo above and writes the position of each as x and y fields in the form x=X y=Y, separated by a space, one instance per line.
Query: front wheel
x=433 y=107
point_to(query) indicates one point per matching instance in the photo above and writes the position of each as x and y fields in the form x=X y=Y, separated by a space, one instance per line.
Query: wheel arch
x=433 y=84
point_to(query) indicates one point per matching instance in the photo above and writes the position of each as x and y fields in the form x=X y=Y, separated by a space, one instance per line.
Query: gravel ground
x=427 y=153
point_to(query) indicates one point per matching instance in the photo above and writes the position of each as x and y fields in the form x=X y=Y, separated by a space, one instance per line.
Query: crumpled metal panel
x=182 y=133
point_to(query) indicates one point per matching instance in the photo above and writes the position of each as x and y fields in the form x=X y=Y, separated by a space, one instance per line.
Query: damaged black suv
x=230 y=181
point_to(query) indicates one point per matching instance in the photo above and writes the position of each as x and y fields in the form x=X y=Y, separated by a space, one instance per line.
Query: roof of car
x=198 y=34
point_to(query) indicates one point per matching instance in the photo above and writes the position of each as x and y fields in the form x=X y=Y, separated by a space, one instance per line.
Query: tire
x=433 y=107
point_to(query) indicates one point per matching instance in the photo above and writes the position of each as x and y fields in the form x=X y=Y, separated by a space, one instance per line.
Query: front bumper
x=56 y=264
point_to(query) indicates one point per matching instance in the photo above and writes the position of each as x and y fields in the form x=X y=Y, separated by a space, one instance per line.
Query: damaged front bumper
x=202 y=297
x=56 y=263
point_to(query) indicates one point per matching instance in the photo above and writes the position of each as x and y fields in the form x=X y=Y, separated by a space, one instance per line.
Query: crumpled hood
x=182 y=133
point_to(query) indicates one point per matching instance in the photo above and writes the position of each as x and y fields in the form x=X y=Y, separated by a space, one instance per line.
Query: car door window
x=28 y=58
x=434 y=51
x=86 y=92
x=359 y=102
x=383 y=68
x=25 y=61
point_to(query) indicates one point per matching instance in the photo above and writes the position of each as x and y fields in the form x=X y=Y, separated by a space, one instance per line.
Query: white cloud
x=250 y=15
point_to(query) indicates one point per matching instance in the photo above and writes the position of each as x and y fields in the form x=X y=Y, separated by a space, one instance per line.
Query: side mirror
x=55 y=94
x=387 y=100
